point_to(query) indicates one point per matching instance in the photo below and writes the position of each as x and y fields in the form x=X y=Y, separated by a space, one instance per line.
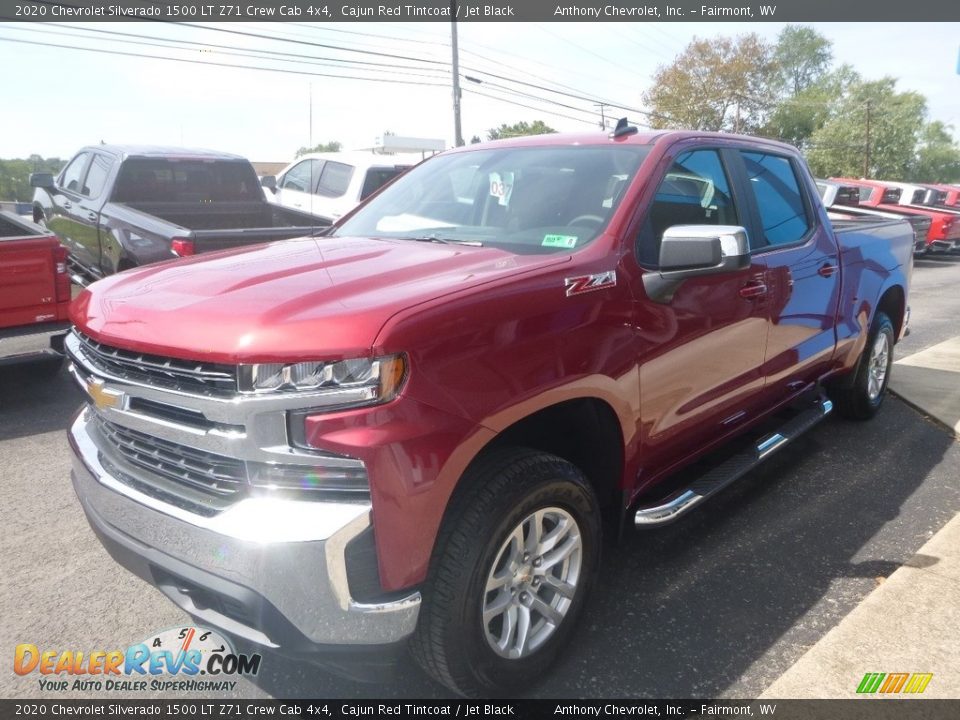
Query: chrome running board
x=731 y=469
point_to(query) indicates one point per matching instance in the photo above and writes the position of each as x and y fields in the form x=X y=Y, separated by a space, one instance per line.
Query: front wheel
x=863 y=397
x=514 y=560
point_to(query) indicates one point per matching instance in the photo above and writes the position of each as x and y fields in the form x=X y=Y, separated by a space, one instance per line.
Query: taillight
x=62 y=280
x=183 y=247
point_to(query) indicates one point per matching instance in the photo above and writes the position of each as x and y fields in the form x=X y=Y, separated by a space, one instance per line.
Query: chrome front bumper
x=272 y=571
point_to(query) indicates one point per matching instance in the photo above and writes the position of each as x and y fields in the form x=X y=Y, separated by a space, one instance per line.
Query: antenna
x=623 y=129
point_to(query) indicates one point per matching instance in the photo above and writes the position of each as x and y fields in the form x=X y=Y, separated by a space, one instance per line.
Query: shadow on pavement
x=32 y=401
x=724 y=601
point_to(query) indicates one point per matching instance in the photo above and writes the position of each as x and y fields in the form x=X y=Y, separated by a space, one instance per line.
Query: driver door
x=701 y=350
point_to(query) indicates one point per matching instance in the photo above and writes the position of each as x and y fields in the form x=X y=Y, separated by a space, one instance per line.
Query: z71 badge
x=587 y=283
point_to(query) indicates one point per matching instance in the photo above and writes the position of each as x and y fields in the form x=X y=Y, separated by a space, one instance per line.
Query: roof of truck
x=649 y=137
x=163 y=151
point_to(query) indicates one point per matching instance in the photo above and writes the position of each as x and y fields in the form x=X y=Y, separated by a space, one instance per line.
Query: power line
x=226 y=65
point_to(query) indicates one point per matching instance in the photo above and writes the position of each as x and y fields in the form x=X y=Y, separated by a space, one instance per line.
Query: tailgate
x=27 y=281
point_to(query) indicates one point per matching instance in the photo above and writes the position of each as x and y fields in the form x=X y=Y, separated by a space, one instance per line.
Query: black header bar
x=745 y=11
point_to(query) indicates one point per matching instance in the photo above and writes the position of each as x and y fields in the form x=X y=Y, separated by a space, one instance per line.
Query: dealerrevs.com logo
x=171 y=660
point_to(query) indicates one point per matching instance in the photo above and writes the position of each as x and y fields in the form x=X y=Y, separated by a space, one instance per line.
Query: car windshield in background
x=165 y=180
x=527 y=200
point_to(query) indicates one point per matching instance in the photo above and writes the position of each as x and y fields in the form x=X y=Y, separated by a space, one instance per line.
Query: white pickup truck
x=329 y=185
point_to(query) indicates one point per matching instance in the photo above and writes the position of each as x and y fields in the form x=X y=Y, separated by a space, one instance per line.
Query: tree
x=475 y=139
x=716 y=84
x=332 y=146
x=841 y=145
x=15 y=175
x=797 y=117
x=938 y=156
x=537 y=127
x=803 y=57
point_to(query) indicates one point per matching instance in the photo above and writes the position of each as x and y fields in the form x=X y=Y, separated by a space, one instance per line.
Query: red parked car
x=34 y=293
x=416 y=429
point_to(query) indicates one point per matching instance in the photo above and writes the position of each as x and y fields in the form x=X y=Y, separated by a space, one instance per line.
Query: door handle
x=92 y=216
x=826 y=270
x=68 y=205
x=753 y=290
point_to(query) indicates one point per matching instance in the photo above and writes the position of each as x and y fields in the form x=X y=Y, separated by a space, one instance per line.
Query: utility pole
x=457 y=131
x=866 y=157
x=603 y=117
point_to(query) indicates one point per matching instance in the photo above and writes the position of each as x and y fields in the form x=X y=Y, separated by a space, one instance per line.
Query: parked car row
x=933 y=210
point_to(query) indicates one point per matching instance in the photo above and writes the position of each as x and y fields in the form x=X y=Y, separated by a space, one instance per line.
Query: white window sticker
x=501 y=186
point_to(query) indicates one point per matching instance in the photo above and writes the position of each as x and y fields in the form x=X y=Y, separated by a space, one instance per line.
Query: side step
x=731 y=469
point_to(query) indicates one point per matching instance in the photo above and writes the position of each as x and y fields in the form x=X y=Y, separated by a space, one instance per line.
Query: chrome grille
x=184 y=375
x=205 y=471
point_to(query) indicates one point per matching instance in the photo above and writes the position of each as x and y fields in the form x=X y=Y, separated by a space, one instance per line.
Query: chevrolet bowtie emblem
x=104 y=397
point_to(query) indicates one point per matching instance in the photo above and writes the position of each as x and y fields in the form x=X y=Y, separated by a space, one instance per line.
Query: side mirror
x=41 y=180
x=694 y=250
x=269 y=182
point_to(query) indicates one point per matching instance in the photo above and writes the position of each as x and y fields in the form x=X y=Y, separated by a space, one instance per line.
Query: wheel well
x=892 y=303
x=584 y=432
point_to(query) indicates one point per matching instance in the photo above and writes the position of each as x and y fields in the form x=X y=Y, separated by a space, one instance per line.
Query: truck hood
x=309 y=298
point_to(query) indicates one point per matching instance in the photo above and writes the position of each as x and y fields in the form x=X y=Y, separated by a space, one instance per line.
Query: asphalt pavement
x=720 y=604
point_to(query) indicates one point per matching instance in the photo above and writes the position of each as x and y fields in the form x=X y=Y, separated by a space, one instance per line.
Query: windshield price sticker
x=501 y=187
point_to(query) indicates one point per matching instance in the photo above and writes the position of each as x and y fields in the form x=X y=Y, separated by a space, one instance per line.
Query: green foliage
x=332 y=146
x=896 y=118
x=938 y=156
x=15 y=175
x=716 y=84
x=797 y=117
x=537 y=127
x=802 y=56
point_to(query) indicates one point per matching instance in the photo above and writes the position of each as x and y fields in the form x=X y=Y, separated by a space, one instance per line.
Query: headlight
x=363 y=381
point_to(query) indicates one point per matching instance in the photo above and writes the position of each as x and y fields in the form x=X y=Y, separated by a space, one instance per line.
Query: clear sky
x=54 y=100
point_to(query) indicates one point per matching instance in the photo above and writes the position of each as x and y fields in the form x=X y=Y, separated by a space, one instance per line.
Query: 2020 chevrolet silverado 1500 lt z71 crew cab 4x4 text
x=117 y=207
x=413 y=430
x=34 y=293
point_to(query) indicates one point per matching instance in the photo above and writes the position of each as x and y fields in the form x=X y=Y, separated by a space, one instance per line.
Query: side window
x=73 y=174
x=783 y=213
x=695 y=191
x=300 y=177
x=378 y=177
x=334 y=179
x=97 y=175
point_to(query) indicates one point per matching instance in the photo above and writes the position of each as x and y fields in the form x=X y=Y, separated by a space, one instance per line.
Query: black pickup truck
x=117 y=207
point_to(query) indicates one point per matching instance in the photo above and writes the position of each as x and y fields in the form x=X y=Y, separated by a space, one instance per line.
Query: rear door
x=802 y=269
x=336 y=190
x=702 y=352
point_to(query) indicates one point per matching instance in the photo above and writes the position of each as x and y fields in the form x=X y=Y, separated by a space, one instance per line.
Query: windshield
x=530 y=200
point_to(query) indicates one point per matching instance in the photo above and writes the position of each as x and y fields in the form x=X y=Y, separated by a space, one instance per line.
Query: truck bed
x=225 y=215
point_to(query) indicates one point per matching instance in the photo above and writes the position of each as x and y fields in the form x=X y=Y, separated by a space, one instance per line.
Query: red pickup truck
x=34 y=294
x=415 y=430
x=944 y=232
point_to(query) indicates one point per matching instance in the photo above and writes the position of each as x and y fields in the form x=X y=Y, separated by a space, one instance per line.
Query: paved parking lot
x=718 y=604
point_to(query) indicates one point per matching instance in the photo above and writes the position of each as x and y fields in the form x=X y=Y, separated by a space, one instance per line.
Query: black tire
x=856 y=400
x=501 y=492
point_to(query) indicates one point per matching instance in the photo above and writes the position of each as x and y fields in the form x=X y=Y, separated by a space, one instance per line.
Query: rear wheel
x=864 y=395
x=514 y=560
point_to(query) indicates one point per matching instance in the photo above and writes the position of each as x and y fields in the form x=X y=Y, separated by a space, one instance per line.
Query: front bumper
x=32 y=342
x=273 y=572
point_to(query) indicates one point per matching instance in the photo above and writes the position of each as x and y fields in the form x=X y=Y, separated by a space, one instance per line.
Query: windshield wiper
x=445 y=240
